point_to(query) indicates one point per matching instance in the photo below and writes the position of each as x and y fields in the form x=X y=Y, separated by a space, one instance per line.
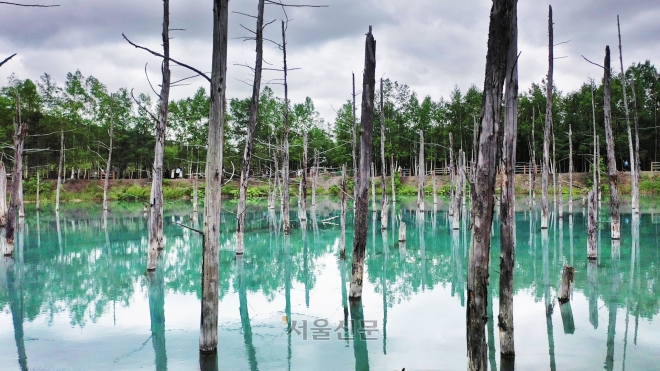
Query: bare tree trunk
x=452 y=177
x=362 y=184
x=373 y=187
x=508 y=198
x=458 y=191
x=354 y=137
x=285 y=160
x=3 y=194
x=385 y=202
x=570 y=171
x=483 y=190
x=554 y=170
x=195 y=192
x=344 y=198
x=435 y=188
x=566 y=287
x=38 y=203
x=156 y=215
x=611 y=158
x=420 y=173
x=208 y=336
x=20 y=132
x=548 y=126
x=633 y=169
x=316 y=175
x=249 y=139
x=532 y=191
x=59 y=172
x=393 y=169
x=108 y=166
x=303 y=181
x=637 y=163
x=596 y=164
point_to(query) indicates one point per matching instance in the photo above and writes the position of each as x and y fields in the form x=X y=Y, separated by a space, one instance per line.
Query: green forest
x=83 y=109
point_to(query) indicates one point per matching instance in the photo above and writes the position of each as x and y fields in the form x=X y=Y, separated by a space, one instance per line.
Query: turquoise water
x=77 y=297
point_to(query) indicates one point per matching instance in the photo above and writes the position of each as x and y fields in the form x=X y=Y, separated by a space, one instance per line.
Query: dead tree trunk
x=60 y=168
x=458 y=191
x=611 y=158
x=373 y=187
x=570 y=171
x=249 y=139
x=156 y=216
x=208 y=336
x=420 y=173
x=285 y=160
x=596 y=163
x=38 y=202
x=20 y=132
x=554 y=170
x=592 y=226
x=483 y=190
x=108 y=166
x=636 y=119
x=344 y=199
x=633 y=169
x=452 y=176
x=566 y=287
x=548 y=126
x=362 y=184
x=393 y=169
x=507 y=205
x=354 y=137
x=315 y=177
x=303 y=181
x=3 y=194
x=383 y=171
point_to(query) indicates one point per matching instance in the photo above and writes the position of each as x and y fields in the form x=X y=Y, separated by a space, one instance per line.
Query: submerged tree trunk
x=38 y=202
x=362 y=184
x=16 y=205
x=458 y=191
x=315 y=176
x=452 y=177
x=393 y=169
x=208 y=335
x=3 y=194
x=303 y=181
x=249 y=139
x=354 y=138
x=636 y=118
x=156 y=216
x=384 y=201
x=420 y=173
x=570 y=171
x=633 y=169
x=483 y=189
x=344 y=198
x=285 y=160
x=108 y=166
x=611 y=158
x=548 y=126
x=596 y=163
x=507 y=205
x=592 y=226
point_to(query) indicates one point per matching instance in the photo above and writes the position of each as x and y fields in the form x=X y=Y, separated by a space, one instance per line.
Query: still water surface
x=76 y=295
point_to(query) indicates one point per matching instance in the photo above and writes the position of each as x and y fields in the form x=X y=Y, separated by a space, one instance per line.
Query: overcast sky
x=431 y=45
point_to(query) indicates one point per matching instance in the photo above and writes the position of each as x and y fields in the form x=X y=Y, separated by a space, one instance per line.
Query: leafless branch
x=177 y=29
x=173 y=60
x=272 y=2
x=142 y=107
x=595 y=64
x=563 y=42
x=191 y=228
x=245 y=14
x=29 y=5
x=183 y=79
x=560 y=57
x=249 y=30
x=233 y=169
x=7 y=59
x=147 y=74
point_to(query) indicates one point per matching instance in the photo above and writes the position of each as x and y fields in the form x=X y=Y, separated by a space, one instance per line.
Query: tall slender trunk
x=344 y=198
x=156 y=216
x=458 y=191
x=420 y=173
x=362 y=184
x=60 y=168
x=285 y=160
x=633 y=169
x=108 y=166
x=38 y=203
x=3 y=194
x=20 y=131
x=393 y=169
x=208 y=336
x=570 y=171
x=249 y=139
x=452 y=177
x=303 y=180
x=596 y=164
x=383 y=170
x=508 y=205
x=315 y=177
x=611 y=158
x=548 y=126
x=554 y=170
x=483 y=189
x=637 y=163
x=354 y=144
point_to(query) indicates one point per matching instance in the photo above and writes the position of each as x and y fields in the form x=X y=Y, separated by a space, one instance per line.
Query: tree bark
x=452 y=177
x=208 y=336
x=249 y=139
x=3 y=194
x=508 y=205
x=637 y=163
x=315 y=176
x=38 y=202
x=458 y=191
x=548 y=126
x=393 y=169
x=20 y=132
x=285 y=160
x=596 y=164
x=344 y=198
x=566 y=287
x=59 y=172
x=362 y=184
x=354 y=137
x=373 y=187
x=570 y=171
x=420 y=173
x=108 y=166
x=633 y=169
x=383 y=171
x=303 y=181
x=483 y=190
x=156 y=216
x=592 y=226
x=611 y=158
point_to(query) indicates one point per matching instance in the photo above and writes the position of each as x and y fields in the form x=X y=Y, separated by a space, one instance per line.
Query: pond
x=76 y=295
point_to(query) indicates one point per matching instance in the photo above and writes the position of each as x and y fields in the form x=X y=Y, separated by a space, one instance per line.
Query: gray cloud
x=431 y=45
